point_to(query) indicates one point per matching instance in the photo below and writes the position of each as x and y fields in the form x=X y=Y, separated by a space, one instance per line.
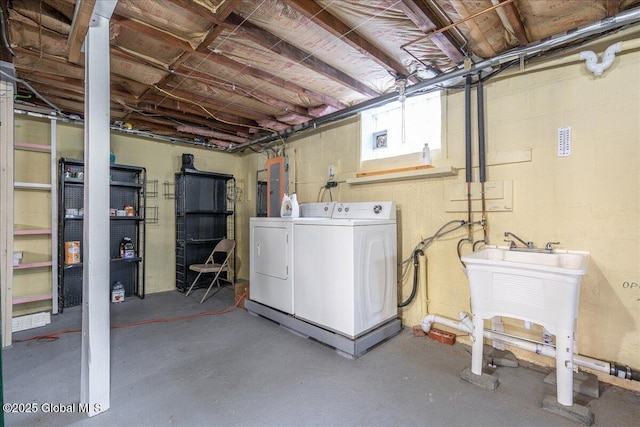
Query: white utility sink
x=562 y=261
x=541 y=287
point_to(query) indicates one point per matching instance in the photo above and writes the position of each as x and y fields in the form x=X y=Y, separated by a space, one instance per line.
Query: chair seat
x=226 y=246
x=206 y=268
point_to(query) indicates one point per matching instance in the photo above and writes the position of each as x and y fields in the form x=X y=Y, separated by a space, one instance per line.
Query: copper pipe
x=455 y=24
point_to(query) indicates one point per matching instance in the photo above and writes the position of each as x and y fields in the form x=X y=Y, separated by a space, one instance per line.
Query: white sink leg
x=564 y=367
x=478 y=344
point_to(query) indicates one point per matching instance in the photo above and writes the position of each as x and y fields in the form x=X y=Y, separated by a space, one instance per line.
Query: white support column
x=6 y=208
x=96 y=350
x=54 y=215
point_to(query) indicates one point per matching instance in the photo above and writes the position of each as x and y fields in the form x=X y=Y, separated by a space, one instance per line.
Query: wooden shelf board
x=32 y=147
x=396 y=170
x=28 y=265
x=31 y=298
x=411 y=173
x=31 y=231
x=32 y=186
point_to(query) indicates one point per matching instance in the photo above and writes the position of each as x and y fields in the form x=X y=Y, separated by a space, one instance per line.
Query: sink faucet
x=529 y=245
x=549 y=246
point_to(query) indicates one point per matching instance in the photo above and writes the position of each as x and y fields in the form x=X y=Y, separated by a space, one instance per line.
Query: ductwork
x=629 y=17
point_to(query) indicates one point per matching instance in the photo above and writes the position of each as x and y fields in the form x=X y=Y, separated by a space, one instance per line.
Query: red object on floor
x=442 y=336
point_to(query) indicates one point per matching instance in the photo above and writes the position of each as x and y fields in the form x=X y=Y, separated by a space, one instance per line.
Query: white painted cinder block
x=30 y=321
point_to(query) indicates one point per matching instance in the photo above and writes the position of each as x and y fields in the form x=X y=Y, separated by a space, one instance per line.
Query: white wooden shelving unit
x=15 y=235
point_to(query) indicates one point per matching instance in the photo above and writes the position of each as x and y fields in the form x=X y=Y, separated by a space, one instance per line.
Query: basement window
x=399 y=132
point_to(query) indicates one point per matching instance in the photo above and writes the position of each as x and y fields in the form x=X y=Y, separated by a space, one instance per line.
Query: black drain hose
x=414 y=290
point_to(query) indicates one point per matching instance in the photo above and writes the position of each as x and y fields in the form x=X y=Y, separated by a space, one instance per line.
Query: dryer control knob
x=377 y=209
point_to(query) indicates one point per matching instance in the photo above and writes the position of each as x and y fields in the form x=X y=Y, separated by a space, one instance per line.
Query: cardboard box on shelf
x=241 y=287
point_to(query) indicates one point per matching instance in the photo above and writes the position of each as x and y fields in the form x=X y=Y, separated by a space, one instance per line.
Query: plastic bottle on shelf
x=127 y=250
x=295 y=207
x=285 y=208
x=426 y=155
x=117 y=291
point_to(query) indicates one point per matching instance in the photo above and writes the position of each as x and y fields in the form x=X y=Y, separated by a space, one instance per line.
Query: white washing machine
x=271 y=258
x=346 y=268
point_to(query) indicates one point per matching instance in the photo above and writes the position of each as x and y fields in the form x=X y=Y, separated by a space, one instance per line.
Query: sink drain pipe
x=465 y=324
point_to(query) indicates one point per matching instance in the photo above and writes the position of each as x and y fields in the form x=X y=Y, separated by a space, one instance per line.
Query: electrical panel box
x=277 y=183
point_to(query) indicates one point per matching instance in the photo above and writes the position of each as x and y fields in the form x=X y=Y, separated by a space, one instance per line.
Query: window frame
x=402 y=160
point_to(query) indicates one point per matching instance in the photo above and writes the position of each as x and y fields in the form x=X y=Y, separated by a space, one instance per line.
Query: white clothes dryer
x=271 y=258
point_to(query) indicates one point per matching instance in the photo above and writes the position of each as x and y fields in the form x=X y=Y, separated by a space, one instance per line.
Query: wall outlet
x=331 y=171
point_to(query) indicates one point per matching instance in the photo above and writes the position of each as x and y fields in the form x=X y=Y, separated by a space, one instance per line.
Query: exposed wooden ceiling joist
x=288 y=50
x=79 y=29
x=272 y=79
x=427 y=20
x=516 y=23
x=339 y=29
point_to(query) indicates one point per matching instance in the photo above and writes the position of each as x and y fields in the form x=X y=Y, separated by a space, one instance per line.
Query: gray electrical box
x=277 y=184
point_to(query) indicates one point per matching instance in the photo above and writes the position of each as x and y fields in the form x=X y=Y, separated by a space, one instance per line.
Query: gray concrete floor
x=238 y=369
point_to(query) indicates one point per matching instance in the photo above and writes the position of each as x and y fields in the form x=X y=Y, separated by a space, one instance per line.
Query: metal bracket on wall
x=151 y=214
x=152 y=188
x=169 y=190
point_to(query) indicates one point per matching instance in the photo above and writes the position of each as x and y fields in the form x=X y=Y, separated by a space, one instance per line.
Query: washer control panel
x=365 y=210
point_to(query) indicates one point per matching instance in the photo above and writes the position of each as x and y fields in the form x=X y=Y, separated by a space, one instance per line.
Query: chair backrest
x=224 y=245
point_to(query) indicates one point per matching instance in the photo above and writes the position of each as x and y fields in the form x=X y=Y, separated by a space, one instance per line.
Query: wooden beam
x=216 y=29
x=195 y=118
x=339 y=29
x=477 y=35
x=289 y=51
x=613 y=7
x=513 y=16
x=427 y=20
x=66 y=7
x=272 y=79
x=213 y=105
x=216 y=16
x=239 y=91
x=160 y=99
x=152 y=32
x=79 y=29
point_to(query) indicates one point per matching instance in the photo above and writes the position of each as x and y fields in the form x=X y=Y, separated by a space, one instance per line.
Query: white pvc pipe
x=464 y=324
x=591 y=58
x=534 y=347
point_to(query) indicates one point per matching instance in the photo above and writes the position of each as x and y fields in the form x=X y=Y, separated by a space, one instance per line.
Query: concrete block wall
x=587 y=201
